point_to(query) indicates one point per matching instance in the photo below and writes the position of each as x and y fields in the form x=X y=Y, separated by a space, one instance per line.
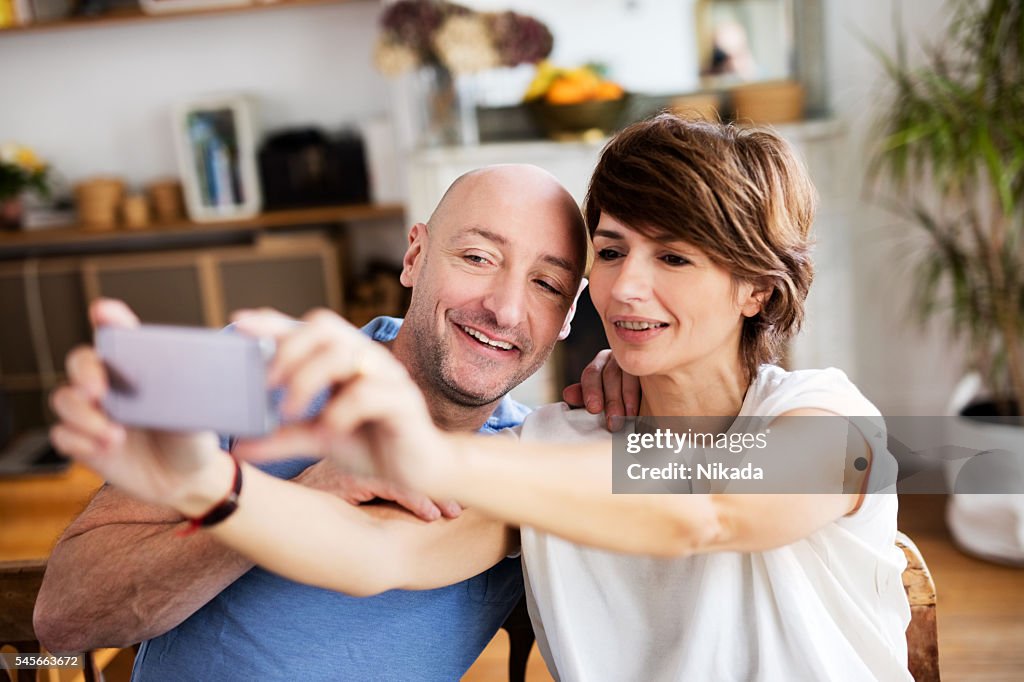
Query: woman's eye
x=673 y=259
x=608 y=254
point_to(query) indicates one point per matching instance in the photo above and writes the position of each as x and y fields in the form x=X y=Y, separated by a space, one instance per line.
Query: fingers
x=362 y=402
x=85 y=370
x=573 y=395
x=450 y=509
x=622 y=395
x=263 y=322
x=80 y=414
x=420 y=505
x=591 y=381
x=110 y=311
x=321 y=328
x=631 y=394
x=288 y=441
x=320 y=370
x=76 y=445
x=611 y=382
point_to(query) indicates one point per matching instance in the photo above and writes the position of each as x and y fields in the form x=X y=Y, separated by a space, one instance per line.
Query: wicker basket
x=769 y=102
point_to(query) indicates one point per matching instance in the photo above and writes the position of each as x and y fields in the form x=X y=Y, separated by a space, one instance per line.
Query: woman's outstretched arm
x=555 y=487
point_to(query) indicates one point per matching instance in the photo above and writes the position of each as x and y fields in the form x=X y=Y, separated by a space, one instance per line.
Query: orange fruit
x=608 y=91
x=567 y=91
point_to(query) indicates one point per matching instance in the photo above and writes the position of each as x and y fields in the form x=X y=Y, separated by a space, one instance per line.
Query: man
x=494 y=273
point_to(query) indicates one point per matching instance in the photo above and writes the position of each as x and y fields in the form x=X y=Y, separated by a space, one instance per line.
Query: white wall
x=649 y=45
x=98 y=100
x=903 y=369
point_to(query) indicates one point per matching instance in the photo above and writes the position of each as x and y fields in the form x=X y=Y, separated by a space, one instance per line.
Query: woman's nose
x=633 y=282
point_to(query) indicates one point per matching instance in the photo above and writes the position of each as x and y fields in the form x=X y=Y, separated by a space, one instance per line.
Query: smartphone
x=188 y=379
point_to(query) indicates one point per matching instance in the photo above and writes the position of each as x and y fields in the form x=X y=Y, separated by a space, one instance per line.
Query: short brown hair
x=739 y=195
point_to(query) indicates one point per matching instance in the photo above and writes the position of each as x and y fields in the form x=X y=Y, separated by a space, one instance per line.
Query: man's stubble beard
x=433 y=367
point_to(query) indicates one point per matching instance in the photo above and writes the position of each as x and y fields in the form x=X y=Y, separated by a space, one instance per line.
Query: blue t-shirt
x=266 y=627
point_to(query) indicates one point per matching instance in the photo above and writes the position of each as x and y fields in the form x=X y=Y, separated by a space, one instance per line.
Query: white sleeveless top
x=828 y=607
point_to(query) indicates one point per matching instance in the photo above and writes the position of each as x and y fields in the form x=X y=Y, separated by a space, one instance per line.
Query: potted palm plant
x=952 y=150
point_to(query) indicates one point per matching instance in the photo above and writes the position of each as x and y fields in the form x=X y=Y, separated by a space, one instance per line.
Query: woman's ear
x=418 y=235
x=756 y=295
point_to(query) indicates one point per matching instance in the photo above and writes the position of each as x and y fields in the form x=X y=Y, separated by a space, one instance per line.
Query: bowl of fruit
x=575 y=103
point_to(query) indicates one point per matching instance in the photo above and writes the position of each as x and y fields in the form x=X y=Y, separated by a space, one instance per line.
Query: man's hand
x=604 y=386
x=154 y=466
x=324 y=475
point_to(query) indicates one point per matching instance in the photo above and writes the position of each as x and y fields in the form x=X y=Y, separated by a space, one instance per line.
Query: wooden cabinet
x=43 y=303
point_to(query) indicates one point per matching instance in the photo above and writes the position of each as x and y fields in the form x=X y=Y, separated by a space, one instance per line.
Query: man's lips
x=490 y=342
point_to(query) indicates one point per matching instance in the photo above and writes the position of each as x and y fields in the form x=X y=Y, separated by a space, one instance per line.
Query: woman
x=701 y=236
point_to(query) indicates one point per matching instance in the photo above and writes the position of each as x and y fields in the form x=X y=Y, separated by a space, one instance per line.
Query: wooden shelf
x=135 y=15
x=63 y=239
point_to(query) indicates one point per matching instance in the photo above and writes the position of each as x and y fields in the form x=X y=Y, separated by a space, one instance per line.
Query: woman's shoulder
x=776 y=390
x=558 y=421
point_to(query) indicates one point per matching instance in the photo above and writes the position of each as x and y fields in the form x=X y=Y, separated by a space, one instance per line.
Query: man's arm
x=119 y=574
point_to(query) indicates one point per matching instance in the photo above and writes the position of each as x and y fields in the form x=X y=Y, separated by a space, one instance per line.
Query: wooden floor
x=980 y=604
x=980 y=608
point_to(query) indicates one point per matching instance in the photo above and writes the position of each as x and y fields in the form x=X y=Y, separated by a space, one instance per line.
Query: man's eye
x=473 y=258
x=550 y=287
x=673 y=259
x=608 y=254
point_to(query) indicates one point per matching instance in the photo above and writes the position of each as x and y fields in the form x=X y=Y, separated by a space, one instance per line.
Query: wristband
x=220 y=511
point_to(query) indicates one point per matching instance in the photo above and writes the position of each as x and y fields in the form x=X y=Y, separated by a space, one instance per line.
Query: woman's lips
x=635 y=335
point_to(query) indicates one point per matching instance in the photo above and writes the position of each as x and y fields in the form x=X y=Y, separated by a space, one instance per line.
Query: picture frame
x=216 y=149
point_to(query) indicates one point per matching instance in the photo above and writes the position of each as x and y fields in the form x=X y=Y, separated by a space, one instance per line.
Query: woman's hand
x=174 y=469
x=375 y=422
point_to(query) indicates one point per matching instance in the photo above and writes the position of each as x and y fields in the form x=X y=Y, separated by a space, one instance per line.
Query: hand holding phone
x=187 y=379
x=158 y=466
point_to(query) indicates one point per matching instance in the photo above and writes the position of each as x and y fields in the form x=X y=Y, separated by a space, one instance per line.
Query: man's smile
x=490 y=345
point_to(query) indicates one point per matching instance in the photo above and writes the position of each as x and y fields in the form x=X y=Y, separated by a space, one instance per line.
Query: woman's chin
x=635 y=364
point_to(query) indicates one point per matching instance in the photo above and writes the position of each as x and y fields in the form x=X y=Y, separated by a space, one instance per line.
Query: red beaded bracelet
x=219 y=511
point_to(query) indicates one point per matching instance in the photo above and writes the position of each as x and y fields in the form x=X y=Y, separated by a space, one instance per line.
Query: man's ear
x=567 y=325
x=418 y=237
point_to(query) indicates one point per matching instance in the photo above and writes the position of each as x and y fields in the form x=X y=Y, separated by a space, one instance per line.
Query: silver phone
x=188 y=379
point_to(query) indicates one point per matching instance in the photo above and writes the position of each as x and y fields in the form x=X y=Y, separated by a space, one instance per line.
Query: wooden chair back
x=922 y=633
x=19 y=585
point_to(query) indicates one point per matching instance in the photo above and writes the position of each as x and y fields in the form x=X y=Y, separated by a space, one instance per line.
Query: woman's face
x=665 y=305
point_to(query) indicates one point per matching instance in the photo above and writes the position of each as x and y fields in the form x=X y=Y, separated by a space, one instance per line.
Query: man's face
x=494 y=276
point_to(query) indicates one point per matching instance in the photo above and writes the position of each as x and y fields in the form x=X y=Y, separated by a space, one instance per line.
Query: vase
x=12 y=209
x=446 y=106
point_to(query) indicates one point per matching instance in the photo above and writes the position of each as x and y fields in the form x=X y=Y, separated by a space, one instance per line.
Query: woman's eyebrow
x=608 y=234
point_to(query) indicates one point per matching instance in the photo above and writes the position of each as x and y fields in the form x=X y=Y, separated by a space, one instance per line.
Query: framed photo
x=216 y=156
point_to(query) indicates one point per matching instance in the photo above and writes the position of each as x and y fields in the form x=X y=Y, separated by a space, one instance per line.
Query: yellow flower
x=21 y=156
x=28 y=160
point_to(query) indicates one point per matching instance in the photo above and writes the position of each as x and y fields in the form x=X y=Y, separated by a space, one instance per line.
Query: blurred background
x=197 y=156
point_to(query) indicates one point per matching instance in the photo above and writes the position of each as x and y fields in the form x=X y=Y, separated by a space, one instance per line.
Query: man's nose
x=508 y=303
x=633 y=280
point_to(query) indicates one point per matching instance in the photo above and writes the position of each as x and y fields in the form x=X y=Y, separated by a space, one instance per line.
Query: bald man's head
x=491 y=187
x=494 y=273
